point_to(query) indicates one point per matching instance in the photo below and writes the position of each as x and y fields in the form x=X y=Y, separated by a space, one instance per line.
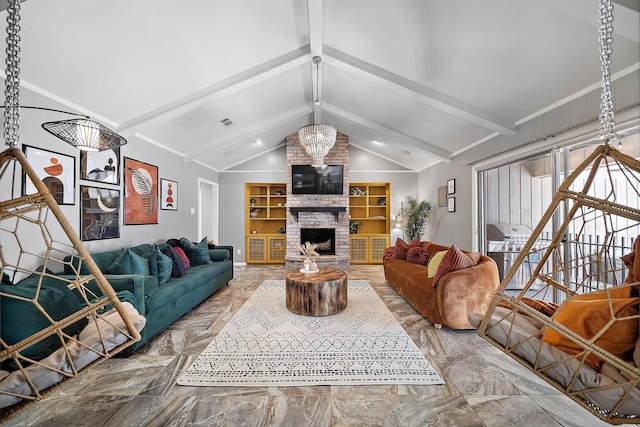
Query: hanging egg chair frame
x=575 y=323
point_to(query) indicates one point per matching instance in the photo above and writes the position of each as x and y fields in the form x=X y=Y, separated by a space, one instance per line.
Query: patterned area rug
x=265 y=344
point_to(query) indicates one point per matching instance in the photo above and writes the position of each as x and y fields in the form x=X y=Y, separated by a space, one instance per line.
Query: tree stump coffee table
x=316 y=294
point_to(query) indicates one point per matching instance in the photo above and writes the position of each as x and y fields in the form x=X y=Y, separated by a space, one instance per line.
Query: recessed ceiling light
x=377 y=142
x=226 y=122
x=259 y=141
x=406 y=152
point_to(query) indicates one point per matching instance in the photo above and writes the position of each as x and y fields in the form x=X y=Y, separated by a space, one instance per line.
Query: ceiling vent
x=226 y=122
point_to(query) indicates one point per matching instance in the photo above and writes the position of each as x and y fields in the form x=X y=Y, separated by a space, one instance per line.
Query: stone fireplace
x=316 y=213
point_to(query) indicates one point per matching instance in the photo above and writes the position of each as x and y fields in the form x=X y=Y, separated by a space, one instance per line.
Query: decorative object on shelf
x=356 y=191
x=317 y=139
x=99 y=213
x=57 y=171
x=451 y=186
x=141 y=192
x=252 y=202
x=101 y=166
x=308 y=249
x=278 y=193
x=354 y=226
x=415 y=216
x=442 y=196
x=168 y=195
x=282 y=230
x=254 y=213
x=382 y=201
x=451 y=204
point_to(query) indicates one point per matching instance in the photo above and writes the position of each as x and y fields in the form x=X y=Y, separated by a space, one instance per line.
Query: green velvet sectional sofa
x=164 y=303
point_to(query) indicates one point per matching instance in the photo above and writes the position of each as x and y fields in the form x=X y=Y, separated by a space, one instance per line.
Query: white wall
x=171 y=224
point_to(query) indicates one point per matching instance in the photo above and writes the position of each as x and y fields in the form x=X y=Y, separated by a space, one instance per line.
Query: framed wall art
x=451 y=204
x=101 y=166
x=451 y=186
x=99 y=213
x=168 y=195
x=442 y=196
x=57 y=171
x=140 y=192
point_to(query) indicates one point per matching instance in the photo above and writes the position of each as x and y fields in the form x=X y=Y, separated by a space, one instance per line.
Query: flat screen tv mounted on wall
x=306 y=179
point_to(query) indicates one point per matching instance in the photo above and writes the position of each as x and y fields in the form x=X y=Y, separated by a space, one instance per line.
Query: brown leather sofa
x=459 y=293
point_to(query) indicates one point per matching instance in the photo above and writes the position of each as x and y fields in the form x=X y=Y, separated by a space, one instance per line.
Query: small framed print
x=451 y=186
x=56 y=170
x=168 y=195
x=451 y=204
x=101 y=166
x=99 y=213
x=442 y=196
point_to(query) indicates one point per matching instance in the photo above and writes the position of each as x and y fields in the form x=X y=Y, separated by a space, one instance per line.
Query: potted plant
x=354 y=226
x=415 y=216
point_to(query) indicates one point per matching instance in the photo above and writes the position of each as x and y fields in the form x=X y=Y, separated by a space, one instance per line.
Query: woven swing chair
x=53 y=327
x=576 y=321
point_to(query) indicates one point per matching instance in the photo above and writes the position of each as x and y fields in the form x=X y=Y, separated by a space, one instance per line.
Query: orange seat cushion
x=587 y=315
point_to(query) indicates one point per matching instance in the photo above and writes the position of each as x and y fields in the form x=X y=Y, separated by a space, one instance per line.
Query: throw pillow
x=165 y=266
x=417 y=255
x=21 y=319
x=389 y=253
x=129 y=263
x=150 y=254
x=587 y=317
x=183 y=257
x=434 y=263
x=633 y=263
x=402 y=248
x=198 y=253
x=173 y=242
x=454 y=259
x=177 y=268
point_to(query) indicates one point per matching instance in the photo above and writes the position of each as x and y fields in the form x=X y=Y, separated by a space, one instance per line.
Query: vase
x=307 y=263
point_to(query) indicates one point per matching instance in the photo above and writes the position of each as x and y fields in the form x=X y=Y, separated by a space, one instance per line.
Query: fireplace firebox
x=323 y=237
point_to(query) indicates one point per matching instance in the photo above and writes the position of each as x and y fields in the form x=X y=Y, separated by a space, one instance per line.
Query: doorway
x=208 y=210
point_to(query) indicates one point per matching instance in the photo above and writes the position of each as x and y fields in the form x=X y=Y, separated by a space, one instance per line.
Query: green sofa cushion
x=21 y=319
x=129 y=263
x=165 y=266
x=198 y=254
x=102 y=259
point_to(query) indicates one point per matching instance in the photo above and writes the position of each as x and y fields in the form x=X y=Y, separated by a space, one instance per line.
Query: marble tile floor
x=483 y=387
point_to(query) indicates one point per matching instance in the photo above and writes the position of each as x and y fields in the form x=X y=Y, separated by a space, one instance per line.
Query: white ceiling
x=425 y=77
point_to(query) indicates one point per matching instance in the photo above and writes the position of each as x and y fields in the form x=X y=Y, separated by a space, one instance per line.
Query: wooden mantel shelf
x=333 y=209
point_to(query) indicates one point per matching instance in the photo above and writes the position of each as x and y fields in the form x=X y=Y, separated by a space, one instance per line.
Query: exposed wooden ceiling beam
x=427 y=95
x=392 y=133
x=225 y=87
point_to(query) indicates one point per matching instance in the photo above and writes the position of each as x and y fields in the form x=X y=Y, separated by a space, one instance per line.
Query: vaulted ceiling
x=412 y=81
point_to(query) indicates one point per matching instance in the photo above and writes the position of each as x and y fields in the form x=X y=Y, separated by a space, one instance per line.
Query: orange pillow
x=586 y=316
x=454 y=259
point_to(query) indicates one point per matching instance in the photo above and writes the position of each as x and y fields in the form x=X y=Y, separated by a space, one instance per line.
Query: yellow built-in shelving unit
x=265 y=219
x=369 y=205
